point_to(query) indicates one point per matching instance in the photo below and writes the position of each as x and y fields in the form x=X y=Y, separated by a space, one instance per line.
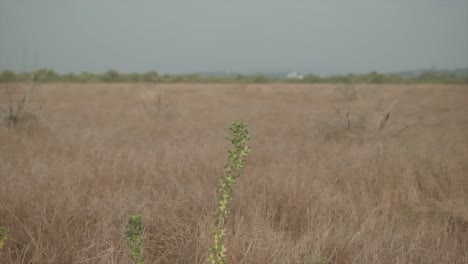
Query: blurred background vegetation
x=113 y=76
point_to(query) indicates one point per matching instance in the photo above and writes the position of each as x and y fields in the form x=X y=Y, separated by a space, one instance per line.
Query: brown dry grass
x=310 y=188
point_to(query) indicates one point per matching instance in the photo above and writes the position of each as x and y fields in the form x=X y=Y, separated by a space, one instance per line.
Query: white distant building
x=294 y=75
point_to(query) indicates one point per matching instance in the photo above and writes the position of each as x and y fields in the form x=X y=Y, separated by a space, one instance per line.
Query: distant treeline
x=113 y=76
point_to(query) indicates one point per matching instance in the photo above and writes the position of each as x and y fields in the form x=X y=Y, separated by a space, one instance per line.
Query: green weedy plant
x=232 y=170
x=316 y=260
x=3 y=236
x=308 y=260
x=135 y=238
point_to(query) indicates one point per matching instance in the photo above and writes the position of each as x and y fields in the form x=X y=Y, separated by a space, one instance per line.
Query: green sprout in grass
x=232 y=170
x=135 y=238
x=3 y=236
x=316 y=260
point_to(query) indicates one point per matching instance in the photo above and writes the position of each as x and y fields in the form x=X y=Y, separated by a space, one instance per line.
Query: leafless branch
x=385 y=117
x=344 y=118
x=15 y=107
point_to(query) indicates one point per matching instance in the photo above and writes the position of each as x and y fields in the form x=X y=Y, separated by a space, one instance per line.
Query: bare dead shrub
x=154 y=104
x=344 y=118
x=346 y=126
x=347 y=91
x=13 y=109
x=16 y=102
x=352 y=126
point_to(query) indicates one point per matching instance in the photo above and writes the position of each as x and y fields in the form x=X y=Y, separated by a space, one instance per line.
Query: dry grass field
x=90 y=155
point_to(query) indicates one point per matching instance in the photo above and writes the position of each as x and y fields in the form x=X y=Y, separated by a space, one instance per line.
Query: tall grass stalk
x=232 y=170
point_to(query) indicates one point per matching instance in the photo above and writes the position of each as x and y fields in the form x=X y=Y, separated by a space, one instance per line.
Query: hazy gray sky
x=321 y=36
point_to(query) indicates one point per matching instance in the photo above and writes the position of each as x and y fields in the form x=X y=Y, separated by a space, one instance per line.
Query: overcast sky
x=173 y=36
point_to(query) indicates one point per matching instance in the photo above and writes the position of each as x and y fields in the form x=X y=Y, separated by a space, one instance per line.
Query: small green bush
x=150 y=77
x=3 y=236
x=135 y=238
x=7 y=76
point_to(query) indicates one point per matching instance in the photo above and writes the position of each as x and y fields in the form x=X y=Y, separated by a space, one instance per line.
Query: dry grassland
x=90 y=155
